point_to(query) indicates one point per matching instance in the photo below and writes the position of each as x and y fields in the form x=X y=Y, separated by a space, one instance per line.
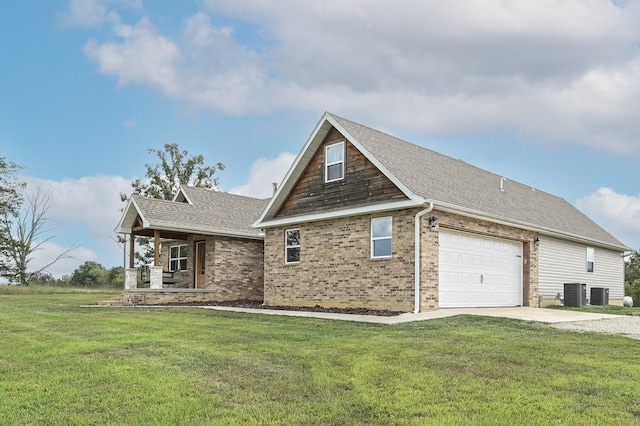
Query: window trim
x=327 y=164
x=287 y=247
x=179 y=258
x=374 y=239
x=591 y=259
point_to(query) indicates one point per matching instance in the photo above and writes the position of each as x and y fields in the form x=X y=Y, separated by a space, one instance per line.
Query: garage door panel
x=477 y=271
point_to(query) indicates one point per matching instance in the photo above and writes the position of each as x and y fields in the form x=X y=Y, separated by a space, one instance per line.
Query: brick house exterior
x=231 y=265
x=427 y=199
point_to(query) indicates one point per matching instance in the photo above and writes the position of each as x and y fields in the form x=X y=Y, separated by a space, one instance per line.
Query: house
x=364 y=219
x=205 y=247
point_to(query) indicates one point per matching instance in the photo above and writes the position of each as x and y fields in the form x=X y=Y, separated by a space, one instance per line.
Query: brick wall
x=335 y=268
x=234 y=266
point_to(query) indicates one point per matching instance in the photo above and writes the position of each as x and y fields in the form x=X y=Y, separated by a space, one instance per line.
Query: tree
x=90 y=274
x=632 y=277
x=24 y=233
x=175 y=168
x=163 y=179
x=10 y=202
x=632 y=267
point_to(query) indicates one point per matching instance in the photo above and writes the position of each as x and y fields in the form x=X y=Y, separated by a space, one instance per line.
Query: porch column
x=156 y=248
x=132 y=243
x=130 y=278
x=155 y=277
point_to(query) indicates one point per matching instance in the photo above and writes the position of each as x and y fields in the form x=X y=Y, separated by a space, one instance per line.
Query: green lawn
x=64 y=364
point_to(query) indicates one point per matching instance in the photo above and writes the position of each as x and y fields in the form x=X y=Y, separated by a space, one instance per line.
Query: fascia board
x=296 y=169
x=527 y=226
x=184 y=194
x=126 y=229
x=305 y=156
x=341 y=213
x=212 y=232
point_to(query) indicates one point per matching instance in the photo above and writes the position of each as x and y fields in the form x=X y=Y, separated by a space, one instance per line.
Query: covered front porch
x=203 y=244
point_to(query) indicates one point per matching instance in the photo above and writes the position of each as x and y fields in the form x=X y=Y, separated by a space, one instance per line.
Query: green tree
x=632 y=267
x=10 y=202
x=90 y=274
x=116 y=276
x=632 y=277
x=173 y=169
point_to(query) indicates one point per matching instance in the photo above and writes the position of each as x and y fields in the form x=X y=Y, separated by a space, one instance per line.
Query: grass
x=63 y=364
x=609 y=309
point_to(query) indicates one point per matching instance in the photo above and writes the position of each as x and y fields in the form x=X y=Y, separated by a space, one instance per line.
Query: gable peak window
x=334 y=162
x=292 y=246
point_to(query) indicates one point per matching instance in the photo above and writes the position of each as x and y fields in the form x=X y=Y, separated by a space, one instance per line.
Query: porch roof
x=193 y=211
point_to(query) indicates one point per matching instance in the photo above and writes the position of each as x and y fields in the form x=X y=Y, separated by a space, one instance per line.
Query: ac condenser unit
x=575 y=294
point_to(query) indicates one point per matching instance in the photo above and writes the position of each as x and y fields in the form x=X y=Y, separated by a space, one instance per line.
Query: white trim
x=287 y=246
x=527 y=226
x=303 y=159
x=377 y=208
x=327 y=164
x=179 y=258
x=373 y=239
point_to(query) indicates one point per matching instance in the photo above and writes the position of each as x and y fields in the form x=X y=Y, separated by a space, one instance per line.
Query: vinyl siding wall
x=566 y=262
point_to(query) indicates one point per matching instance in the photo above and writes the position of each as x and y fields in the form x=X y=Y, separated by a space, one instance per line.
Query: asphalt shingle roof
x=210 y=212
x=453 y=183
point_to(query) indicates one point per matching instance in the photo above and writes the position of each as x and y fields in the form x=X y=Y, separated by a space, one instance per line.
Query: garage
x=477 y=271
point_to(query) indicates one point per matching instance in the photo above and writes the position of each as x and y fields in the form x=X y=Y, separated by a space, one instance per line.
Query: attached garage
x=477 y=271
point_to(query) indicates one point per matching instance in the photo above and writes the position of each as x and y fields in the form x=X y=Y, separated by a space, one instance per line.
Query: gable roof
x=195 y=210
x=426 y=176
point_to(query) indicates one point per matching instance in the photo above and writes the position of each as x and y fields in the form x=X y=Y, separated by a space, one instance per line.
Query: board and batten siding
x=566 y=262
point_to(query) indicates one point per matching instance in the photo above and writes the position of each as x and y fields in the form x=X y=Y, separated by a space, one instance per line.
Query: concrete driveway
x=548 y=316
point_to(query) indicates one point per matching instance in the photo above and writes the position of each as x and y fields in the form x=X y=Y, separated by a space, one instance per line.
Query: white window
x=591 y=255
x=381 y=237
x=178 y=258
x=292 y=246
x=334 y=162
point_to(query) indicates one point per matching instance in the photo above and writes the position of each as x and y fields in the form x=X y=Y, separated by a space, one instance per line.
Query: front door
x=200 y=264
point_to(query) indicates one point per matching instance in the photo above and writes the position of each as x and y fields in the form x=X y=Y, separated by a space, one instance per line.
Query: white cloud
x=263 y=174
x=84 y=213
x=50 y=250
x=555 y=71
x=618 y=213
x=93 y=13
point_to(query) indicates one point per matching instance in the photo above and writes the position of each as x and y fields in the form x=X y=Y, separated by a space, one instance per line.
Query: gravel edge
x=629 y=326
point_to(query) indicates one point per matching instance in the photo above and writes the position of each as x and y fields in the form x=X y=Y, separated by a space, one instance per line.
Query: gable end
x=363 y=183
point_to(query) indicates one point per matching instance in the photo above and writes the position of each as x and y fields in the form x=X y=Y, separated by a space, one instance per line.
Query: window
x=334 y=162
x=292 y=246
x=381 y=237
x=591 y=254
x=178 y=258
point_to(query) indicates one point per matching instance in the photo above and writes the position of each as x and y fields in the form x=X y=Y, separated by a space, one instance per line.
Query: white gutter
x=416 y=274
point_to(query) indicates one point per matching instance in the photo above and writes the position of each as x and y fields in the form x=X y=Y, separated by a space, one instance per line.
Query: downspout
x=416 y=274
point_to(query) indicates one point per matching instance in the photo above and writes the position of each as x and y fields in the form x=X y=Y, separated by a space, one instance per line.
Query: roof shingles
x=453 y=183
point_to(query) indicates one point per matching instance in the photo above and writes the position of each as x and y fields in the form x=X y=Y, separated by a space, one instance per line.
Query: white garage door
x=477 y=271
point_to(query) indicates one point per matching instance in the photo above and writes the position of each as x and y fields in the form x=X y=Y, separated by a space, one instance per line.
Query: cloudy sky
x=543 y=92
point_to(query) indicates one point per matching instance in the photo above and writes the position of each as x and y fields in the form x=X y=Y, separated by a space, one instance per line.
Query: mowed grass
x=61 y=363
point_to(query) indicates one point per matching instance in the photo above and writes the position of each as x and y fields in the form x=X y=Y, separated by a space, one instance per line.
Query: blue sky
x=543 y=92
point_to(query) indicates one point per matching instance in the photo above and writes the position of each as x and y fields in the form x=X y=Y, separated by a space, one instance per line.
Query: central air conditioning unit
x=575 y=294
x=599 y=296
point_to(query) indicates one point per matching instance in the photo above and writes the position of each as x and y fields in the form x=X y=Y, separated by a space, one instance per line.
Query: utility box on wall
x=599 y=296
x=575 y=294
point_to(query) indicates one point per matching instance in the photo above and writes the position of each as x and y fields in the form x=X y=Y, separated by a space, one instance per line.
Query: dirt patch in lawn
x=257 y=304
